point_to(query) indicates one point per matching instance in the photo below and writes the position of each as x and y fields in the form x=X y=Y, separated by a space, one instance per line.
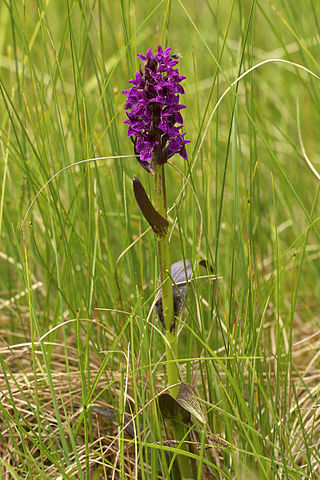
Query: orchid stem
x=168 y=310
x=165 y=280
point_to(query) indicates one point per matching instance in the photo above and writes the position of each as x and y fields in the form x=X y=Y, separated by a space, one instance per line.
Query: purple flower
x=153 y=109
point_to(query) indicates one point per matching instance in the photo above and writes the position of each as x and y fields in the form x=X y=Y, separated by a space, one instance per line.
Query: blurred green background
x=63 y=67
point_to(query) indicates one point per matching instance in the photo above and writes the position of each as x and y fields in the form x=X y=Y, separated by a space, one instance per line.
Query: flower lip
x=153 y=109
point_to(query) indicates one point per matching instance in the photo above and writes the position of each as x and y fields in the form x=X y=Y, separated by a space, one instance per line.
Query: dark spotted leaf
x=158 y=223
x=180 y=408
x=109 y=413
x=181 y=273
x=172 y=410
x=189 y=401
x=204 y=263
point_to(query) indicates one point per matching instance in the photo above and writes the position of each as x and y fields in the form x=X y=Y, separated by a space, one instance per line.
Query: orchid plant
x=155 y=127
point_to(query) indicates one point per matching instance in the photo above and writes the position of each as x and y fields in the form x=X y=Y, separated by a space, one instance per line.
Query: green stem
x=177 y=429
x=166 y=289
x=179 y=432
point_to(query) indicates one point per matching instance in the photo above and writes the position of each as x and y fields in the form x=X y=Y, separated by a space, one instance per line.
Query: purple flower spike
x=153 y=109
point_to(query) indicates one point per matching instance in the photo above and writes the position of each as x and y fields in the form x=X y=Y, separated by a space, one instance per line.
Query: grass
x=79 y=280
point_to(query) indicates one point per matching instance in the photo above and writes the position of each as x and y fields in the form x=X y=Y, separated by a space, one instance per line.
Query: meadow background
x=78 y=280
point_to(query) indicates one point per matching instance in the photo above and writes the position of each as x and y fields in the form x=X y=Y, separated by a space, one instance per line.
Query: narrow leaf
x=179 y=408
x=109 y=413
x=181 y=273
x=172 y=410
x=178 y=272
x=188 y=400
x=157 y=222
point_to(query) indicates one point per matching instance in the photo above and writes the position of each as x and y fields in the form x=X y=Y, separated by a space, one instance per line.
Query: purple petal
x=149 y=53
x=142 y=57
x=153 y=103
x=145 y=165
x=175 y=144
x=183 y=153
